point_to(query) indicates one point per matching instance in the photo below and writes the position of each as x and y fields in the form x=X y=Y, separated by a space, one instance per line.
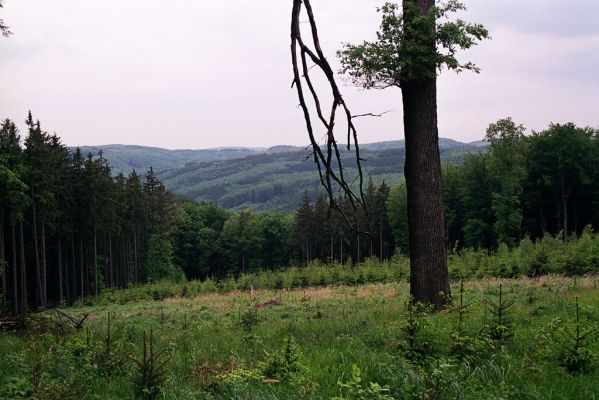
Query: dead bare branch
x=329 y=165
x=371 y=114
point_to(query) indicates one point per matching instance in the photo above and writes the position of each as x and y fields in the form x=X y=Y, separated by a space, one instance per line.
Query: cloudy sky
x=198 y=73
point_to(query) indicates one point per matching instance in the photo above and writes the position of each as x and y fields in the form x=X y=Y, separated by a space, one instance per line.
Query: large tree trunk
x=429 y=282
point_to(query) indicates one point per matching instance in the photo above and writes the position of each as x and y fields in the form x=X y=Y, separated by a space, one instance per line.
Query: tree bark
x=110 y=266
x=332 y=249
x=24 y=305
x=73 y=264
x=135 y=254
x=429 y=281
x=341 y=248
x=44 y=269
x=38 y=275
x=125 y=266
x=95 y=261
x=81 y=265
x=60 y=278
x=3 y=264
x=67 y=291
x=358 y=248
x=15 y=295
x=243 y=261
x=381 y=240
x=128 y=262
x=564 y=205
x=371 y=239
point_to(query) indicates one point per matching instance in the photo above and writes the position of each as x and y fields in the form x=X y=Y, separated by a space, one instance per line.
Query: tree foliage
x=4 y=29
x=398 y=55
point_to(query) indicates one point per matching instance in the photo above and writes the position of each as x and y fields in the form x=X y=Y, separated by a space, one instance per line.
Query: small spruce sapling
x=286 y=364
x=249 y=319
x=462 y=346
x=150 y=371
x=415 y=344
x=108 y=362
x=501 y=312
x=574 y=339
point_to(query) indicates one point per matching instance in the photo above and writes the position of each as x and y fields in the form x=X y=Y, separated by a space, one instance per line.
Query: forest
x=71 y=229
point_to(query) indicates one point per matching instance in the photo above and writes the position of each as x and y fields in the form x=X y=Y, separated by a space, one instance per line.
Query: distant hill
x=262 y=179
x=128 y=157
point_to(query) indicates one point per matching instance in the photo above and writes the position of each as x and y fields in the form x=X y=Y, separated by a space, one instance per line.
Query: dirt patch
x=268 y=304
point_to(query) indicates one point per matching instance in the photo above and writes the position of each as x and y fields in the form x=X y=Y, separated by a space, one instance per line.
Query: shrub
x=285 y=365
x=354 y=389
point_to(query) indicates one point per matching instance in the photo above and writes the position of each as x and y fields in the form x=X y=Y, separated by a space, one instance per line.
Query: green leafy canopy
x=411 y=45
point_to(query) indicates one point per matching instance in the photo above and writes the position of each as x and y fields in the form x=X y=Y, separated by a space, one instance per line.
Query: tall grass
x=550 y=255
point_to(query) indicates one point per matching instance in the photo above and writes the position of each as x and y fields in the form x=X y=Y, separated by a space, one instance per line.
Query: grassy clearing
x=238 y=345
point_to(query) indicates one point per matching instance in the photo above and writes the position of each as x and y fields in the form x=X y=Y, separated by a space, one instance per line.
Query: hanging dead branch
x=372 y=114
x=327 y=158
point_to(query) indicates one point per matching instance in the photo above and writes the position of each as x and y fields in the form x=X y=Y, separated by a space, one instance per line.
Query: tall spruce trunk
x=341 y=248
x=73 y=265
x=135 y=255
x=81 y=264
x=358 y=248
x=3 y=264
x=564 y=206
x=24 y=305
x=15 y=294
x=124 y=253
x=429 y=281
x=371 y=239
x=67 y=291
x=95 y=261
x=332 y=250
x=110 y=265
x=38 y=274
x=381 y=240
x=60 y=278
x=44 y=269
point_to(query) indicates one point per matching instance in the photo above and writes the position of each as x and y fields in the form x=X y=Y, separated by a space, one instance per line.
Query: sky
x=201 y=74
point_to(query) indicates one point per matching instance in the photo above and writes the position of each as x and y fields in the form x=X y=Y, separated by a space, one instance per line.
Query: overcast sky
x=209 y=73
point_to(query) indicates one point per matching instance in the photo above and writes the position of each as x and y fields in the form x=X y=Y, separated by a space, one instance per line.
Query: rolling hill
x=261 y=179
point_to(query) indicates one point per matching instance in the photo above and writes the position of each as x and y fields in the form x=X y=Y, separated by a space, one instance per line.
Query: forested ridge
x=259 y=179
x=125 y=158
x=71 y=229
